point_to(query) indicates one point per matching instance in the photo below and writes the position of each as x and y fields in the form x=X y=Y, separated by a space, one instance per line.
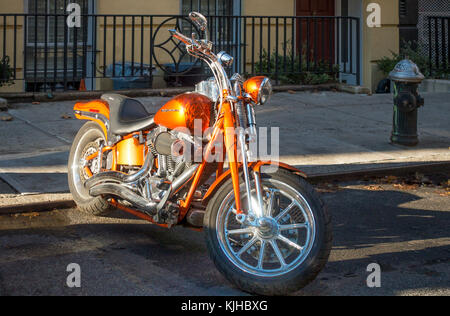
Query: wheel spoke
x=293 y=226
x=270 y=207
x=289 y=242
x=277 y=251
x=246 y=230
x=285 y=211
x=276 y=243
x=246 y=246
x=261 y=254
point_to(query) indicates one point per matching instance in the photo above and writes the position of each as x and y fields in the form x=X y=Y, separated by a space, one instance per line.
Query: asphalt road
x=402 y=226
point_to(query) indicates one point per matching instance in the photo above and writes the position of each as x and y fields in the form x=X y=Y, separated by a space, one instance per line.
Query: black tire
x=97 y=206
x=293 y=280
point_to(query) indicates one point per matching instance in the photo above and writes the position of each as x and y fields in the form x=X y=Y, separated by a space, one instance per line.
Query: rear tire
x=261 y=274
x=85 y=143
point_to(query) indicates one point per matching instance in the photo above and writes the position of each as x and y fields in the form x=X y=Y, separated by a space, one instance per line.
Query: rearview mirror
x=199 y=20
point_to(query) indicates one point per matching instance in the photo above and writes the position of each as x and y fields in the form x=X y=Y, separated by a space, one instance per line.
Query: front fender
x=255 y=166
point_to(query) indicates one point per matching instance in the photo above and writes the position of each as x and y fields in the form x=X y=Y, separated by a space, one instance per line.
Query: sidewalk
x=323 y=134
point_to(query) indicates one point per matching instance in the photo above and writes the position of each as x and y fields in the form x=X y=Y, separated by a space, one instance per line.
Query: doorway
x=316 y=34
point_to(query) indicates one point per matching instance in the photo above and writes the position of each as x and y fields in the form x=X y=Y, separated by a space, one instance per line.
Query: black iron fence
x=105 y=52
x=439 y=46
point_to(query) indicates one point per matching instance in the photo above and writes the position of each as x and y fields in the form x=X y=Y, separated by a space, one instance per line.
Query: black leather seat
x=127 y=115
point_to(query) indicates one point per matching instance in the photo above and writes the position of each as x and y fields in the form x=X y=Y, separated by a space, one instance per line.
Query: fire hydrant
x=406 y=77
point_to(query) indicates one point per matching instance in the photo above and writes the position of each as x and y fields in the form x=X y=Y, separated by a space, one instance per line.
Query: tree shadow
x=363 y=218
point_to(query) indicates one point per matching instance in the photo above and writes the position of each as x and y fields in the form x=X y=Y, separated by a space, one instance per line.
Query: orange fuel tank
x=183 y=110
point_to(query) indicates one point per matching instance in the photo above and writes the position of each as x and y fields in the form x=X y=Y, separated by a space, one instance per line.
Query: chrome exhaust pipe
x=125 y=194
x=120 y=177
x=115 y=183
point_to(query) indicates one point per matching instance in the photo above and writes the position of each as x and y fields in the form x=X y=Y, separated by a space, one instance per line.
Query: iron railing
x=439 y=46
x=136 y=50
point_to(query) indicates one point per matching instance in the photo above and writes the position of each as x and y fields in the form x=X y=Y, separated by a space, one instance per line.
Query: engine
x=173 y=151
x=170 y=151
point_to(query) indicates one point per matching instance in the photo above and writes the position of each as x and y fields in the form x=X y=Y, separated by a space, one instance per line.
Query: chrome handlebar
x=186 y=40
x=193 y=45
x=203 y=50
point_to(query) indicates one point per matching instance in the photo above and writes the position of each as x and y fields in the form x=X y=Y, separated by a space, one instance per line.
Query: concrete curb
x=3 y=105
x=443 y=166
x=435 y=85
x=35 y=203
x=26 y=97
x=48 y=202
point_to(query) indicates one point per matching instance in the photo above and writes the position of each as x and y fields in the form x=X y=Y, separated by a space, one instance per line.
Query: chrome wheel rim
x=283 y=240
x=79 y=176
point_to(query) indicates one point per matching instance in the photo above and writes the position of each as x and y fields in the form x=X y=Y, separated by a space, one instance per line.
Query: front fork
x=227 y=123
x=254 y=211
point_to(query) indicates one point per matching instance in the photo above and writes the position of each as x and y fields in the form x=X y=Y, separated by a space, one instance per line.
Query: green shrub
x=417 y=55
x=387 y=64
x=279 y=67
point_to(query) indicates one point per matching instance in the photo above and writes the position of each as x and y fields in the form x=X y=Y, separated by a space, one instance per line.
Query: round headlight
x=259 y=89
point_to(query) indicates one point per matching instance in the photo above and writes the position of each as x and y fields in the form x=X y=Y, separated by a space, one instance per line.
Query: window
x=209 y=7
x=224 y=29
x=215 y=10
x=54 y=52
x=43 y=29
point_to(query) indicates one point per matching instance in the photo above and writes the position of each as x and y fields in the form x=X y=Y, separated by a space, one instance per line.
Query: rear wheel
x=288 y=249
x=86 y=143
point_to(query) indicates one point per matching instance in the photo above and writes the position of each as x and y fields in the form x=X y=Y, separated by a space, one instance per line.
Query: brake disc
x=93 y=164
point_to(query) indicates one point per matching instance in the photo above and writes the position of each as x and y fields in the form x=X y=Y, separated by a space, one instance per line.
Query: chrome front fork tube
x=253 y=210
x=259 y=194
x=253 y=139
x=244 y=150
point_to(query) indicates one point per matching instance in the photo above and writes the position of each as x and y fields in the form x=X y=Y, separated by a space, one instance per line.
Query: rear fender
x=255 y=166
x=96 y=111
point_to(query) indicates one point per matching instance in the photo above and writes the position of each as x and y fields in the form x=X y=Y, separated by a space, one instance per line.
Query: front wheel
x=283 y=254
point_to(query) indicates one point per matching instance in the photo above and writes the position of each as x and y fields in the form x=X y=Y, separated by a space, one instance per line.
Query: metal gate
x=133 y=51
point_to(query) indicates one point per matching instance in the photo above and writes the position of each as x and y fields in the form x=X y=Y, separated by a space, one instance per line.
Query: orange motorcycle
x=266 y=229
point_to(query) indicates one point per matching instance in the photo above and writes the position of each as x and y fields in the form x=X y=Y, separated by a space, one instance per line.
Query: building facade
x=47 y=54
